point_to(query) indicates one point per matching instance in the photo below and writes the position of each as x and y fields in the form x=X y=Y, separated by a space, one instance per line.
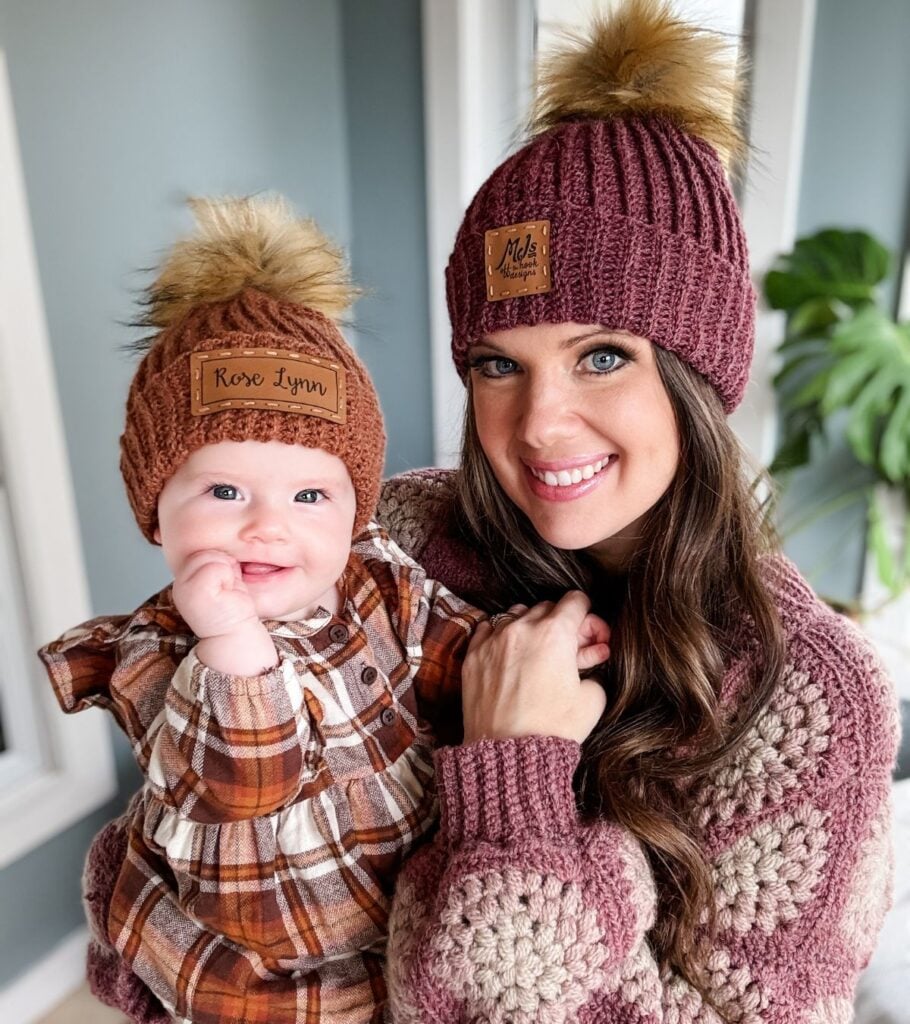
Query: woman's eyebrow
x=487 y=343
x=601 y=332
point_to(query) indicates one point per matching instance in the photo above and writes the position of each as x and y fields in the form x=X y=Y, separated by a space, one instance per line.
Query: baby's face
x=284 y=512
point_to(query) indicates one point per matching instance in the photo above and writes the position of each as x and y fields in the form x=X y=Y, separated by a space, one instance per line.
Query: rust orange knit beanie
x=247 y=347
x=618 y=210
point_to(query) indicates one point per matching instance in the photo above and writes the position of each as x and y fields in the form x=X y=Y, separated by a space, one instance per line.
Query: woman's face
x=579 y=430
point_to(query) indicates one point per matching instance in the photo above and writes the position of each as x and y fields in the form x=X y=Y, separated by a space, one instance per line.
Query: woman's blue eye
x=494 y=366
x=309 y=497
x=604 y=360
x=225 y=492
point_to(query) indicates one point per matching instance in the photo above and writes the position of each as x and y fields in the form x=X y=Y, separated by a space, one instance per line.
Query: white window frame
x=58 y=768
x=477 y=61
x=469 y=119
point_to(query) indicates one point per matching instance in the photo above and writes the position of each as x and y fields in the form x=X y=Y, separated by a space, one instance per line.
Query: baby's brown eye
x=225 y=492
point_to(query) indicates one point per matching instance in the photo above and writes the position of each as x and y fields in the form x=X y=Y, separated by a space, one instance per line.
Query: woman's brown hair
x=692 y=591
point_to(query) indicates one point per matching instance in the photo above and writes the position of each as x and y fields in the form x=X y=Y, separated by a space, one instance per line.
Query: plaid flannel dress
x=277 y=809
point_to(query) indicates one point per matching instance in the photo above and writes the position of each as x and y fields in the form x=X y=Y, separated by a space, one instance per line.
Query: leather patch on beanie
x=267 y=378
x=517 y=260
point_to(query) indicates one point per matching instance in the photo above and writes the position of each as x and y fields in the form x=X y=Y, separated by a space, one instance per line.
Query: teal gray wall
x=856 y=174
x=383 y=77
x=123 y=109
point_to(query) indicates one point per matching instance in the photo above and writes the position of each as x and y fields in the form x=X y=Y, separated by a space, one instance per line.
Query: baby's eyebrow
x=299 y=481
x=201 y=474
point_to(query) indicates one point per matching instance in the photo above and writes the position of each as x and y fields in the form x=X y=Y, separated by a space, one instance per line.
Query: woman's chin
x=570 y=537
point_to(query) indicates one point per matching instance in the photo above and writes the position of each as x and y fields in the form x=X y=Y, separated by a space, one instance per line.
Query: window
x=54 y=769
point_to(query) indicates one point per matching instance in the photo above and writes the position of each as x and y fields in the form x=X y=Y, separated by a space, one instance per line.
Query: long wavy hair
x=692 y=591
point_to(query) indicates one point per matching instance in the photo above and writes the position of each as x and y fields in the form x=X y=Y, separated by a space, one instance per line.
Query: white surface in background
x=70 y=775
x=719 y=15
x=883 y=996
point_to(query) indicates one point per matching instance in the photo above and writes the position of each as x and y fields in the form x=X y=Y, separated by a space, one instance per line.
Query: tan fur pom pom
x=249 y=243
x=642 y=59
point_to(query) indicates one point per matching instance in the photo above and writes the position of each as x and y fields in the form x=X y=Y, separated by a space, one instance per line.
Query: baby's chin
x=284 y=612
x=302 y=606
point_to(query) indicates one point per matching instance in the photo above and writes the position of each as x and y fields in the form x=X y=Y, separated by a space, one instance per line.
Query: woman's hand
x=521 y=677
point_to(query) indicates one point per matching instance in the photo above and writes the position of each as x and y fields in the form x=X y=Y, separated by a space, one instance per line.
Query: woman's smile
x=573 y=479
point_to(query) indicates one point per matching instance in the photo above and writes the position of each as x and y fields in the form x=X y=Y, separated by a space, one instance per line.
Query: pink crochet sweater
x=517 y=912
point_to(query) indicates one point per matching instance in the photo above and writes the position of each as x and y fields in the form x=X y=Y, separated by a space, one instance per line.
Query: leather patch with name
x=517 y=260
x=267 y=378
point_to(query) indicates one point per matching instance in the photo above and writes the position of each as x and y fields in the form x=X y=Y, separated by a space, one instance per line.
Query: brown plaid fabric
x=277 y=810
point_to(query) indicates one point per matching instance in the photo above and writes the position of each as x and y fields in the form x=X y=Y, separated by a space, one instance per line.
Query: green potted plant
x=845 y=372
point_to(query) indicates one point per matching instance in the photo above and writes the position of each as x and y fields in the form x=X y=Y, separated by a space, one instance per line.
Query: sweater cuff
x=492 y=789
x=213 y=683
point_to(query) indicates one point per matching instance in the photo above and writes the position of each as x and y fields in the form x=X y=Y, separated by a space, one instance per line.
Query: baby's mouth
x=259 y=570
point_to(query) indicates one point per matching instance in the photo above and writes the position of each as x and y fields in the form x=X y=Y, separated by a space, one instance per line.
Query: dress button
x=338 y=633
x=388 y=716
x=368 y=675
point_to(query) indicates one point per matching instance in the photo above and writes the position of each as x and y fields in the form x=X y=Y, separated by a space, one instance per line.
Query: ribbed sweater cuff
x=491 y=789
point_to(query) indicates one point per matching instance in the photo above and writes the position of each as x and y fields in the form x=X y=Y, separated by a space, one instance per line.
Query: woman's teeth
x=567 y=477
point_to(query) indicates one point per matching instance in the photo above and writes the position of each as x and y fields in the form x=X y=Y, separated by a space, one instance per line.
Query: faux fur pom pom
x=642 y=59
x=249 y=243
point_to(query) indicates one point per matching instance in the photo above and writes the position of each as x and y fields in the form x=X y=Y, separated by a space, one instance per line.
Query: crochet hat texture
x=618 y=210
x=247 y=347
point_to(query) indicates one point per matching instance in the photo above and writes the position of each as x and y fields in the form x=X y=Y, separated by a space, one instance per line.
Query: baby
x=283 y=696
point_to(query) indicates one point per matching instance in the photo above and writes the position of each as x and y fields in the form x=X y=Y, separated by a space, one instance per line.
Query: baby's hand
x=211 y=596
x=593 y=636
x=593 y=642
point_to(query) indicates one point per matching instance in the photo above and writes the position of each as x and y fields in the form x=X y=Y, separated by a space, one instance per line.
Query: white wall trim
x=477 y=58
x=47 y=983
x=73 y=773
x=781 y=64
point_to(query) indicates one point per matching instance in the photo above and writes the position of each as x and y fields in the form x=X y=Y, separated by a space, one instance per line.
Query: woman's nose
x=547 y=414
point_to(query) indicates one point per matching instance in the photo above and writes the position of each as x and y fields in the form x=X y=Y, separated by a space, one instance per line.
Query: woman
x=701 y=833
x=704 y=835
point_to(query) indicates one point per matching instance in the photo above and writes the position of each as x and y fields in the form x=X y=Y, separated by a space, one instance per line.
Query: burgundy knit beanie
x=618 y=211
x=248 y=348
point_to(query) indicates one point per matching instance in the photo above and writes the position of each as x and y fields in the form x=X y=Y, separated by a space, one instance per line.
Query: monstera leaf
x=841 y=352
x=826 y=269
x=865 y=369
x=845 y=365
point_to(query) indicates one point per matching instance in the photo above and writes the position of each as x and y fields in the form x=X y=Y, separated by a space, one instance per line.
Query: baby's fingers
x=588 y=657
x=593 y=630
x=202 y=560
x=218 y=575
